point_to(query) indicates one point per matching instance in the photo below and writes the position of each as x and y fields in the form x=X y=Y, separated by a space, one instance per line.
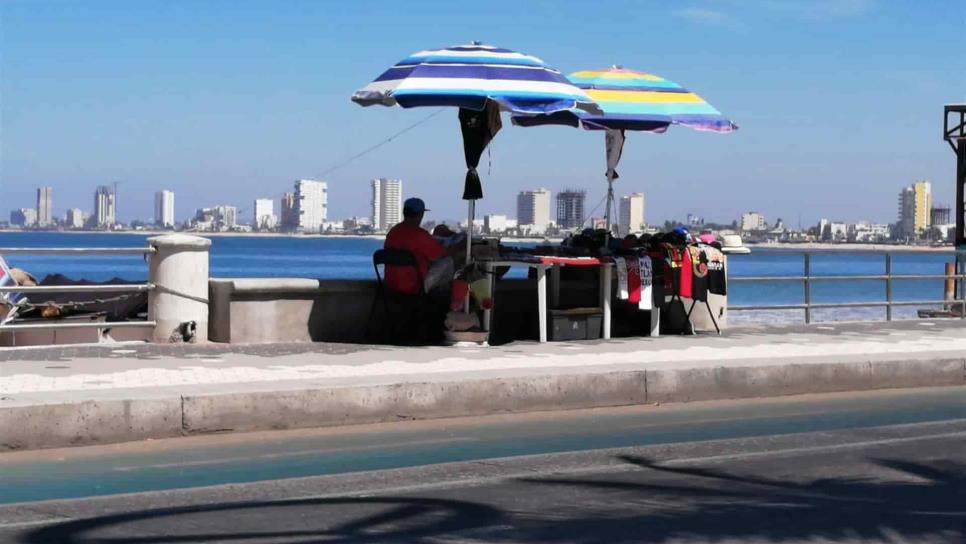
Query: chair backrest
x=395 y=257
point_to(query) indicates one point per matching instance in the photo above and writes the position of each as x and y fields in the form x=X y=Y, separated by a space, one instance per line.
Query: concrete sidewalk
x=96 y=394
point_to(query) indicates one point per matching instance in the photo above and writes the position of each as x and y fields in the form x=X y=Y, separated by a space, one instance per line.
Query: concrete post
x=179 y=301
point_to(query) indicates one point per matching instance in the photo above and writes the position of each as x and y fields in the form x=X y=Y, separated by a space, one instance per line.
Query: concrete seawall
x=315 y=385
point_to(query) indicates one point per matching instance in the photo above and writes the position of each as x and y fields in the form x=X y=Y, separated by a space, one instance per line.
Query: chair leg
x=372 y=312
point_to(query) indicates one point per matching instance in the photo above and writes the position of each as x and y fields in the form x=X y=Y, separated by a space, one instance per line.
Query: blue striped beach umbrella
x=470 y=77
x=481 y=81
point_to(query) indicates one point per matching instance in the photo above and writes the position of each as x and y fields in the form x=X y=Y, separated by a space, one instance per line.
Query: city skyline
x=215 y=111
x=307 y=210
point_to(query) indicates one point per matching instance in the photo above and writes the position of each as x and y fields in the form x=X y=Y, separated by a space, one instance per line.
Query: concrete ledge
x=102 y=394
x=105 y=421
x=88 y=422
x=381 y=403
x=737 y=382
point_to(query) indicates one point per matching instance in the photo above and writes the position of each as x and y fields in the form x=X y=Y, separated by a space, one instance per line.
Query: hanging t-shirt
x=687 y=274
x=699 y=281
x=647 y=280
x=717 y=279
x=633 y=281
x=621 y=266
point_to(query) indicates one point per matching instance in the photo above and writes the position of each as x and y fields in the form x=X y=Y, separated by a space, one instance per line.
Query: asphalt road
x=882 y=467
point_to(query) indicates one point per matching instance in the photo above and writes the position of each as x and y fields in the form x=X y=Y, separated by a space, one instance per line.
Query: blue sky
x=839 y=102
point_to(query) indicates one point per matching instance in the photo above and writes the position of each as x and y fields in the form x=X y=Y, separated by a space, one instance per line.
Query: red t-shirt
x=422 y=245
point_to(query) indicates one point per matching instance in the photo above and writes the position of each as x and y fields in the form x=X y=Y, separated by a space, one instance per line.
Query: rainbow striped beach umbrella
x=633 y=100
x=640 y=101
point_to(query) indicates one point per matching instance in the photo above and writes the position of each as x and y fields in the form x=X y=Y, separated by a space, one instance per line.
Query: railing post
x=949 y=286
x=961 y=266
x=179 y=301
x=888 y=273
x=808 y=288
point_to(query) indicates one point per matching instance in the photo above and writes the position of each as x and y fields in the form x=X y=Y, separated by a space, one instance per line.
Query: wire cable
x=590 y=215
x=380 y=144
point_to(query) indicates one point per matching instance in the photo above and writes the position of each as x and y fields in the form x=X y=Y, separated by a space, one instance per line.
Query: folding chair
x=413 y=304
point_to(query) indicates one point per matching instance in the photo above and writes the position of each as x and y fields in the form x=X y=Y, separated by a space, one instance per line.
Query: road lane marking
x=299 y=453
x=18 y=524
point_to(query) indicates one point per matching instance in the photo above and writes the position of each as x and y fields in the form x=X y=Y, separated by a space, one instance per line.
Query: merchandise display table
x=541 y=265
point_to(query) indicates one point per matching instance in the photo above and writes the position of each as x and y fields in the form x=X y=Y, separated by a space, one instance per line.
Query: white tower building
x=632 y=213
x=264 y=214
x=311 y=202
x=104 y=212
x=533 y=208
x=386 y=203
x=45 y=207
x=164 y=209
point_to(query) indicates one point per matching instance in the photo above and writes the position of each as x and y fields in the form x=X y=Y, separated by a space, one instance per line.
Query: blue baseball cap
x=414 y=206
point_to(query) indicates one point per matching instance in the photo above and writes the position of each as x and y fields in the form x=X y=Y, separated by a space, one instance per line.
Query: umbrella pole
x=470 y=213
x=610 y=206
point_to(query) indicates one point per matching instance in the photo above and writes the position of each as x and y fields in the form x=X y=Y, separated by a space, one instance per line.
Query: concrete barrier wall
x=264 y=310
x=289 y=310
x=267 y=310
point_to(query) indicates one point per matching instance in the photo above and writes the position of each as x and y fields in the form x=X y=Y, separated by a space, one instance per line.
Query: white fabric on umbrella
x=614 y=142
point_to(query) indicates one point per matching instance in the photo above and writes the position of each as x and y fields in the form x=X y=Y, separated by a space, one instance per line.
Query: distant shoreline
x=242 y=234
x=202 y=234
x=792 y=246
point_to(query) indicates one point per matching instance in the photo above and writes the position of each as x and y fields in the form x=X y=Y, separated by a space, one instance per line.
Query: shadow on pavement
x=365 y=519
x=654 y=504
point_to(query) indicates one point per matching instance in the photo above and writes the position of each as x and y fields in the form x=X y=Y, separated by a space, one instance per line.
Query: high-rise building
x=753 y=222
x=940 y=215
x=386 y=203
x=915 y=204
x=263 y=217
x=226 y=217
x=632 y=214
x=311 y=202
x=45 y=207
x=533 y=208
x=74 y=219
x=217 y=218
x=24 y=217
x=104 y=212
x=495 y=224
x=164 y=209
x=289 y=212
x=570 y=209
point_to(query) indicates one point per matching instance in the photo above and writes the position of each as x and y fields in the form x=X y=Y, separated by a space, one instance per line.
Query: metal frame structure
x=954 y=132
x=101 y=326
x=889 y=277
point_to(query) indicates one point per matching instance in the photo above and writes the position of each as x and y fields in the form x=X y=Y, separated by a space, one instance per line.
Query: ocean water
x=351 y=258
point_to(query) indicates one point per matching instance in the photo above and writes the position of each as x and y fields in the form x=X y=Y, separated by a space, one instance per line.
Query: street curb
x=98 y=422
x=88 y=422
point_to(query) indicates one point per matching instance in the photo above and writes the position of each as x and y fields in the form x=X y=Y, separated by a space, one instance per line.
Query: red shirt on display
x=422 y=245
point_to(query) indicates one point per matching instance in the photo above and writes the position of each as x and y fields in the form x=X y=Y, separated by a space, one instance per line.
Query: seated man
x=409 y=236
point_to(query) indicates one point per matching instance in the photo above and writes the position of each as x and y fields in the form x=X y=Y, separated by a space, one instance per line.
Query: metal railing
x=56 y=324
x=807 y=279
